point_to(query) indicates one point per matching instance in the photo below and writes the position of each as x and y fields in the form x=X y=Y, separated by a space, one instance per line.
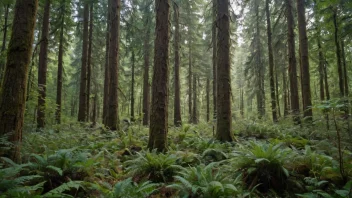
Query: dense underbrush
x=278 y=160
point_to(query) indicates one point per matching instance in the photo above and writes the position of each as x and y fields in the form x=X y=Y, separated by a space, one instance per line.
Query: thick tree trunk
x=60 y=70
x=177 y=101
x=224 y=121
x=106 y=72
x=43 y=65
x=82 y=111
x=271 y=63
x=292 y=68
x=159 y=108
x=338 y=55
x=303 y=40
x=89 y=59
x=3 y=47
x=146 y=88
x=113 y=115
x=214 y=41
x=13 y=92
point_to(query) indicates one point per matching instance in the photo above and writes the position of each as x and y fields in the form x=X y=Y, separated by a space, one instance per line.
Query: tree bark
x=177 y=101
x=344 y=64
x=3 y=47
x=159 y=108
x=208 y=97
x=146 y=88
x=89 y=59
x=321 y=68
x=338 y=54
x=189 y=66
x=271 y=63
x=303 y=41
x=214 y=41
x=82 y=111
x=132 y=86
x=224 y=121
x=194 y=111
x=43 y=65
x=292 y=68
x=106 y=72
x=113 y=115
x=13 y=92
x=60 y=70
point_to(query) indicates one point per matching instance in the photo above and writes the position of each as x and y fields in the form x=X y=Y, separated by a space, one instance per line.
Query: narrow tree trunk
x=43 y=65
x=224 y=121
x=106 y=73
x=89 y=60
x=303 y=40
x=112 y=116
x=321 y=68
x=292 y=70
x=271 y=63
x=190 y=82
x=208 y=97
x=177 y=101
x=344 y=64
x=146 y=89
x=159 y=108
x=13 y=92
x=60 y=70
x=132 y=86
x=82 y=111
x=194 y=112
x=95 y=104
x=214 y=41
x=242 y=102
x=285 y=96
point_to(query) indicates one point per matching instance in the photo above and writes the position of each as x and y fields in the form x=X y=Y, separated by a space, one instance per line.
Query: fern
x=59 y=191
x=129 y=189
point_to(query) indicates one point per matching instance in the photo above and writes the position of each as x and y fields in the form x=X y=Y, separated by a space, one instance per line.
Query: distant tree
x=177 y=100
x=43 y=65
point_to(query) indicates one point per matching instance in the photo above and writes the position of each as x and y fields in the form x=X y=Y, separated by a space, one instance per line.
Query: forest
x=175 y=98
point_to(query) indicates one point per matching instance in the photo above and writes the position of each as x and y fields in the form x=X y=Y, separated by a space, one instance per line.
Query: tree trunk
x=13 y=92
x=112 y=116
x=82 y=111
x=224 y=121
x=106 y=73
x=194 y=112
x=60 y=70
x=89 y=60
x=189 y=67
x=132 y=86
x=338 y=55
x=292 y=68
x=344 y=67
x=321 y=68
x=177 y=101
x=159 y=108
x=3 y=47
x=43 y=65
x=271 y=63
x=208 y=97
x=214 y=36
x=146 y=89
x=242 y=102
x=303 y=41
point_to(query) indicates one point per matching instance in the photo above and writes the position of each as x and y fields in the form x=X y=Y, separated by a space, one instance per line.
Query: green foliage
x=157 y=167
x=205 y=181
x=129 y=189
x=263 y=164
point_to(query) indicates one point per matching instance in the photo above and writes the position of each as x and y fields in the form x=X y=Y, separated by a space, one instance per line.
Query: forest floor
x=266 y=160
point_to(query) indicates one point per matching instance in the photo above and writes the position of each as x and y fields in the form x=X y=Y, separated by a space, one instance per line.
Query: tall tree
x=292 y=64
x=3 y=47
x=82 y=111
x=177 y=100
x=214 y=42
x=146 y=87
x=271 y=62
x=303 y=44
x=106 y=68
x=338 y=53
x=89 y=58
x=189 y=42
x=43 y=65
x=112 y=121
x=60 y=66
x=159 y=107
x=13 y=92
x=224 y=121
